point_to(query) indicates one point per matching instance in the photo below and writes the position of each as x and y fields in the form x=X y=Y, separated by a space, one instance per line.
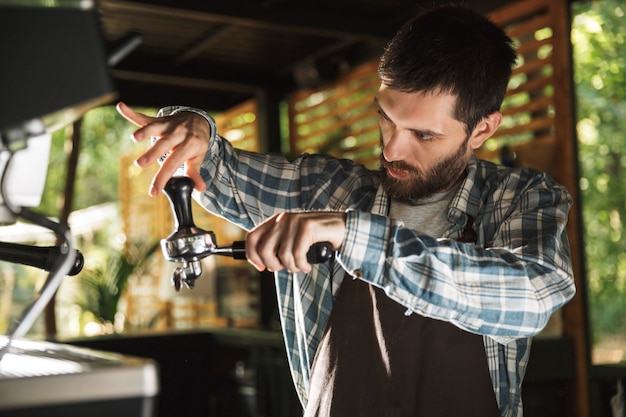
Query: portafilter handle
x=188 y=243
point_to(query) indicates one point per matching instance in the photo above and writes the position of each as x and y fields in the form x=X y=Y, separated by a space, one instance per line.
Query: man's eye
x=424 y=136
x=382 y=115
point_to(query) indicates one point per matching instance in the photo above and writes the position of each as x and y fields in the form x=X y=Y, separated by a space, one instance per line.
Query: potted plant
x=100 y=287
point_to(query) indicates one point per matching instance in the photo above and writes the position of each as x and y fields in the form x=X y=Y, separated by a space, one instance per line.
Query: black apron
x=374 y=360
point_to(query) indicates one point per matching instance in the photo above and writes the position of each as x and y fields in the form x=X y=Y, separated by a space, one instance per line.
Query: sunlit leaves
x=598 y=32
x=105 y=136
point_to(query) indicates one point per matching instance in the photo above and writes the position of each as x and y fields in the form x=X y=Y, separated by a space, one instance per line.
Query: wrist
x=365 y=244
x=171 y=110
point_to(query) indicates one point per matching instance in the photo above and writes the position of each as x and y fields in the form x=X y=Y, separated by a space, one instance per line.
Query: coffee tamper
x=188 y=243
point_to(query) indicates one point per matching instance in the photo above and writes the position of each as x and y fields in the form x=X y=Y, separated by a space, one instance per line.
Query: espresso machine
x=53 y=70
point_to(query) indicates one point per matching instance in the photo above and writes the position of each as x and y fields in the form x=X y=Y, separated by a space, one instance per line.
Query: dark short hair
x=452 y=49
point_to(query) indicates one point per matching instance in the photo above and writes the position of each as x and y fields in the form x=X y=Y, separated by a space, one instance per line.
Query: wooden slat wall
x=537 y=130
x=542 y=28
x=339 y=120
x=240 y=126
x=139 y=211
x=528 y=130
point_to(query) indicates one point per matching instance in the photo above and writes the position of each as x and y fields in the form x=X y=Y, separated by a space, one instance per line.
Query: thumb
x=194 y=174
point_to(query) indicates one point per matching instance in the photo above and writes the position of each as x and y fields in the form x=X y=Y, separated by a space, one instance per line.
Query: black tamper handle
x=178 y=191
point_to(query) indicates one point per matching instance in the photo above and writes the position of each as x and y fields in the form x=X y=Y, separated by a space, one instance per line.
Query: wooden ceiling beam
x=304 y=20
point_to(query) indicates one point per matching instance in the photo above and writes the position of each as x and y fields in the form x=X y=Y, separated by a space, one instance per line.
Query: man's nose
x=395 y=147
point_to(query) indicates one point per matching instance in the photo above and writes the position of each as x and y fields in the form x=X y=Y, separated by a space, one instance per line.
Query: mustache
x=397 y=165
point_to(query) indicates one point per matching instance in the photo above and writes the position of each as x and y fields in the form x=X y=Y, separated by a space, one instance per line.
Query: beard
x=420 y=184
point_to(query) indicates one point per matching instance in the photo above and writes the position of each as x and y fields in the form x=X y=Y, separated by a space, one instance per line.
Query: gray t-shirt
x=429 y=216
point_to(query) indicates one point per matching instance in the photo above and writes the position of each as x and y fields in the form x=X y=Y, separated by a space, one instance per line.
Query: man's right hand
x=183 y=136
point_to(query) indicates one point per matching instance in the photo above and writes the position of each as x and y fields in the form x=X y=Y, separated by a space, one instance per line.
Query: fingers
x=182 y=141
x=193 y=172
x=275 y=254
x=261 y=246
x=283 y=241
x=170 y=167
x=132 y=116
x=185 y=140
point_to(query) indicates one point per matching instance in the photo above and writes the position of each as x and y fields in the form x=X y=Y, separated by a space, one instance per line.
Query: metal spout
x=186 y=274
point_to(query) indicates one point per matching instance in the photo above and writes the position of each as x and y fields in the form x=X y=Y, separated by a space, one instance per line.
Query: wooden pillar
x=268 y=120
x=50 y=322
x=575 y=313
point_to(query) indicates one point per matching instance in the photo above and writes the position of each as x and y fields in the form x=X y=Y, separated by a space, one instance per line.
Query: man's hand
x=283 y=240
x=184 y=136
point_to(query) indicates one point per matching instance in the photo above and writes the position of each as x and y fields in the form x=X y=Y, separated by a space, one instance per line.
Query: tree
x=598 y=38
x=105 y=136
x=93 y=146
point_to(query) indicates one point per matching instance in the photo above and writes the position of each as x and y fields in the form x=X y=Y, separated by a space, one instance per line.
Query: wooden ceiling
x=216 y=54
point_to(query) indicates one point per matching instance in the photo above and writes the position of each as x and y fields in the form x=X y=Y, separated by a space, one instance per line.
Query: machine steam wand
x=188 y=243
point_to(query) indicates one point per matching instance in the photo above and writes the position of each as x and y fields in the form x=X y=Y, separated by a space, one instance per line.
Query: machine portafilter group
x=188 y=243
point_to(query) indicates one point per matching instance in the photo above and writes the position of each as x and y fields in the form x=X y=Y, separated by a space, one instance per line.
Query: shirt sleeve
x=247 y=187
x=506 y=288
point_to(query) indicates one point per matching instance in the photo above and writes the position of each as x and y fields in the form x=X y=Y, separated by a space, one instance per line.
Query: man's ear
x=485 y=129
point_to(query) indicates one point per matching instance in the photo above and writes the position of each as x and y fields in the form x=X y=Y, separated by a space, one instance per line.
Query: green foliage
x=105 y=137
x=101 y=287
x=598 y=37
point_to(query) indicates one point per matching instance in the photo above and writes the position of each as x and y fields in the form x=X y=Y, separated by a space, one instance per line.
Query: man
x=445 y=265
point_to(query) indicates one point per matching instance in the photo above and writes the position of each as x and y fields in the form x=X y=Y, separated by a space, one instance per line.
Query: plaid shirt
x=504 y=286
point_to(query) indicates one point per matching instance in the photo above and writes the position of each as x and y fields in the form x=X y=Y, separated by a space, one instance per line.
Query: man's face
x=424 y=149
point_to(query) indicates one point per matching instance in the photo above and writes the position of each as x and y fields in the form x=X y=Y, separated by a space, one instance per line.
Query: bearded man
x=445 y=266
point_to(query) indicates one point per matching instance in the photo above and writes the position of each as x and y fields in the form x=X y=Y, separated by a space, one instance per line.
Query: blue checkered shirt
x=504 y=286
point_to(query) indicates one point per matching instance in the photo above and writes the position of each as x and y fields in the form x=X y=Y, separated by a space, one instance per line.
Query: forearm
x=494 y=292
x=233 y=178
x=247 y=188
